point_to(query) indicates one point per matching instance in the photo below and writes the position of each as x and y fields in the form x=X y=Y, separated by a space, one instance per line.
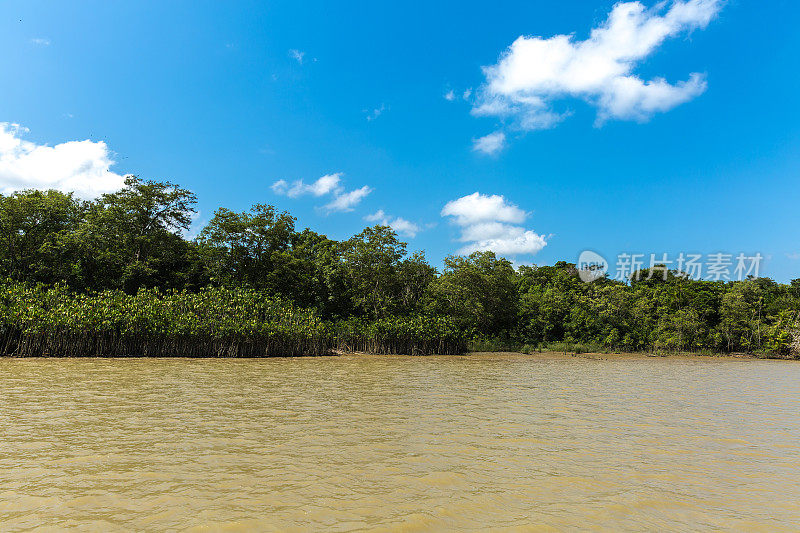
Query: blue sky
x=683 y=141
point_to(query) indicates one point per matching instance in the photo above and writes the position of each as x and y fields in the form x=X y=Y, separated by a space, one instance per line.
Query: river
x=488 y=441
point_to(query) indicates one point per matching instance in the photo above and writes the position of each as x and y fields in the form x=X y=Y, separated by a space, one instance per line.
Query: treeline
x=213 y=322
x=117 y=276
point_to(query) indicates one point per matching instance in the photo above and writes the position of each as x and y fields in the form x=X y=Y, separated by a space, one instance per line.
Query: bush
x=414 y=335
x=39 y=320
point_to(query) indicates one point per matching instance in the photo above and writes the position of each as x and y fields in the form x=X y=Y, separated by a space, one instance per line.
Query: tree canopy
x=135 y=239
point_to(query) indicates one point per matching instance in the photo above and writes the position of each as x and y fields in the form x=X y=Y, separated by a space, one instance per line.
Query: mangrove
x=118 y=276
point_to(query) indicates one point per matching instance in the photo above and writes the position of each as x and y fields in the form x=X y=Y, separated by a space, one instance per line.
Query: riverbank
x=551 y=355
x=338 y=353
x=629 y=355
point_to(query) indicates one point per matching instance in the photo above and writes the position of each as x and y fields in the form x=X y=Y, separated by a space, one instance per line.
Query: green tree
x=740 y=324
x=479 y=290
x=372 y=263
x=132 y=238
x=415 y=275
x=250 y=249
x=321 y=275
x=37 y=236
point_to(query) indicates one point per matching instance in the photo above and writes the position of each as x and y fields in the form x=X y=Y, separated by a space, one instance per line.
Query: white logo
x=591 y=266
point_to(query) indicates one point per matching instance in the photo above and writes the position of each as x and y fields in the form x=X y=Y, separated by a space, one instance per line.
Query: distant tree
x=739 y=317
x=415 y=275
x=37 y=236
x=480 y=290
x=321 y=275
x=794 y=289
x=372 y=262
x=135 y=238
x=132 y=238
x=250 y=248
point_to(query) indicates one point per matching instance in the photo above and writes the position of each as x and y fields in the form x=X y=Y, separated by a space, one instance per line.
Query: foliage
x=215 y=321
x=249 y=248
x=414 y=334
x=479 y=291
x=117 y=275
x=37 y=236
x=51 y=320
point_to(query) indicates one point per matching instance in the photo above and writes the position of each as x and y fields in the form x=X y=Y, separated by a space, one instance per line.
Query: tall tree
x=37 y=235
x=371 y=262
x=132 y=237
x=251 y=248
x=479 y=289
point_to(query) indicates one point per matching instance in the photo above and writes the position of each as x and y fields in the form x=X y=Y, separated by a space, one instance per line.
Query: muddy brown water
x=501 y=442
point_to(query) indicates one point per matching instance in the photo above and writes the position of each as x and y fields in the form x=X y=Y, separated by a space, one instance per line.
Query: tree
x=415 y=275
x=794 y=289
x=37 y=235
x=480 y=290
x=132 y=238
x=322 y=282
x=740 y=323
x=250 y=248
x=371 y=262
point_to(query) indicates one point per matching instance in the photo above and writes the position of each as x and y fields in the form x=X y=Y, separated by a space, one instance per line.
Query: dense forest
x=116 y=276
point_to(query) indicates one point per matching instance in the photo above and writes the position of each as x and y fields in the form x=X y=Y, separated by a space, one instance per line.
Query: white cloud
x=329 y=184
x=375 y=113
x=324 y=185
x=535 y=72
x=297 y=55
x=197 y=225
x=491 y=223
x=280 y=187
x=514 y=241
x=452 y=96
x=378 y=216
x=484 y=231
x=398 y=224
x=476 y=208
x=78 y=166
x=41 y=41
x=794 y=256
x=346 y=201
x=490 y=144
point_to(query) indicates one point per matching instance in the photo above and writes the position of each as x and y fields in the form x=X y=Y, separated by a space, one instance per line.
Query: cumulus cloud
x=476 y=208
x=346 y=201
x=490 y=144
x=41 y=41
x=81 y=167
x=490 y=222
x=400 y=225
x=297 y=55
x=535 y=72
x=375 y=113
x=327 y=185
x=512 y=240
x=450 y=95
x=324 y=185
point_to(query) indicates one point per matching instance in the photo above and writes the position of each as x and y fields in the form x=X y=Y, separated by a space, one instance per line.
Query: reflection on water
x=399 y=443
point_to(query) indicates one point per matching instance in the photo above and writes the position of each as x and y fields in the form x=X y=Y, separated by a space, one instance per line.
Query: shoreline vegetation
x=214 y=322
x=117 y=276
x=593 y=352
